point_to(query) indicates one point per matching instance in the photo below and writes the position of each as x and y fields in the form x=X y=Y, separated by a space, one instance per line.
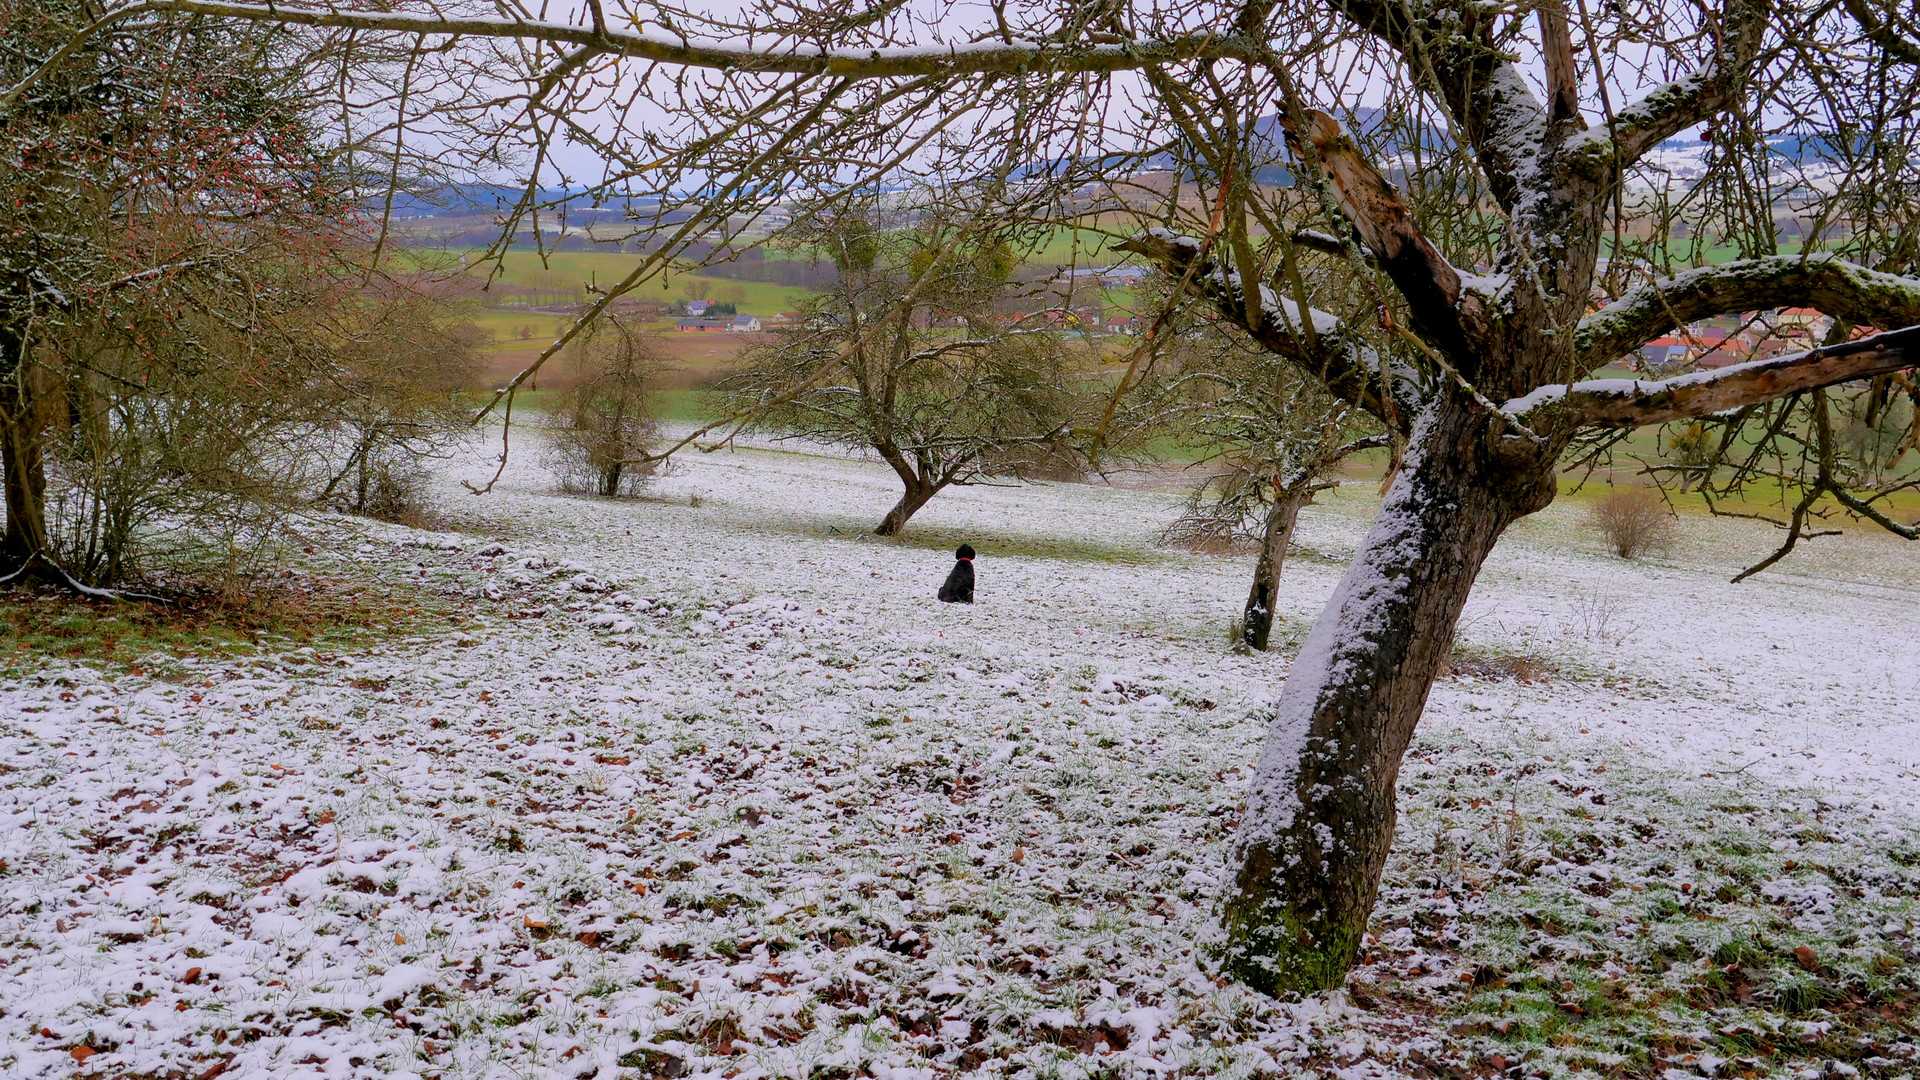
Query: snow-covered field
x=709 y=786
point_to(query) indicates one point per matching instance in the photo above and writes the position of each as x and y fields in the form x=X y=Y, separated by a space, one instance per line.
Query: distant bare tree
x=1270 y=438
x=912 y=356
x=403 y=366
x=601 y=431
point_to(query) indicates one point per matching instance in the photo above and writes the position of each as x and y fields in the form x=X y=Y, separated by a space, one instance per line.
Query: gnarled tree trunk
x=1320 y=815
x=917 y=495
x=1281 y=517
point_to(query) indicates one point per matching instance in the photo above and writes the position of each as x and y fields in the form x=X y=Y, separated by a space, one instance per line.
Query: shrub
x=1633 y=522
x=1691 y=447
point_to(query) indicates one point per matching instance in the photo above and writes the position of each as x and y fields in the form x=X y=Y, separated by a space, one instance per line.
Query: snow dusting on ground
x=709 y=786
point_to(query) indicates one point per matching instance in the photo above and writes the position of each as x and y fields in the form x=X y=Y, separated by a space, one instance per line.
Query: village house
x=1665 y=352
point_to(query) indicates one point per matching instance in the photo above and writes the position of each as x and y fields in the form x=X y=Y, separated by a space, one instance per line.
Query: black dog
x=959 y=586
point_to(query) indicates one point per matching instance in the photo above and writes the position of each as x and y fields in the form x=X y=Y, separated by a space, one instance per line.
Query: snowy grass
x=717 y=790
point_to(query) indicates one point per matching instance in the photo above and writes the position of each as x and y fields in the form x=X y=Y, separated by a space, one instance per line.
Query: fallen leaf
x=82 y=1053
x=1019 y=854
x=192 y=976
x=1807 y=957
x=399 y=940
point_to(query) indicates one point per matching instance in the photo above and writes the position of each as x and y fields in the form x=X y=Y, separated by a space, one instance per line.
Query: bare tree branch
x=1417 y=268
x=1886 y=30
x=1556 y=49
x=1634 y=403
x=791 y=58
x=1833 y=285
x=1686 y=101
x=1350 y=370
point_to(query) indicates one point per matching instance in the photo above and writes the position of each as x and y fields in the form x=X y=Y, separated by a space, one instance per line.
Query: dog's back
x=959 y=587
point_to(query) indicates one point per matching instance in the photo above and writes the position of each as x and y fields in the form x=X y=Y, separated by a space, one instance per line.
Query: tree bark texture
x=1321 y=812
x=21 y=458
x=1281 y=517
x=916 y=496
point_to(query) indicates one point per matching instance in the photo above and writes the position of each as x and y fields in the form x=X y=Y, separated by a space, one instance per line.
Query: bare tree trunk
x=21 y=457
x=1273 y=556
x=917 y=495
x=1320 y=812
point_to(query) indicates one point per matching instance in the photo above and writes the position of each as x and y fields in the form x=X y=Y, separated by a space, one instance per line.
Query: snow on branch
x=1673 y=107
x=1351 y=371
x=858 y=63
x=1625 y=403
x=1830 y=284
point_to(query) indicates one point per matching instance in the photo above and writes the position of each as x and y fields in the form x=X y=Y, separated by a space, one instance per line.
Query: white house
x=745 y=324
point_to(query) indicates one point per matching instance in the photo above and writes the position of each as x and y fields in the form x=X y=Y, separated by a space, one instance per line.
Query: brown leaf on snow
x=82 y=1053
x=192 y=976
x=1807 y=957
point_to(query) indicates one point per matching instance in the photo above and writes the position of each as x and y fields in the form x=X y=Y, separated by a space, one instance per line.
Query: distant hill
x=489 y=200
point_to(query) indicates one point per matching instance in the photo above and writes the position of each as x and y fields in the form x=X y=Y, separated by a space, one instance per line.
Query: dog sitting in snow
x=959 y=586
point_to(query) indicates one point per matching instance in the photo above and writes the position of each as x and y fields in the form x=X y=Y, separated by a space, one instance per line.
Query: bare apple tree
x=1520 y=145
x=603 y=429
x=916 y=355
x=195 y=328
x=1269 y=439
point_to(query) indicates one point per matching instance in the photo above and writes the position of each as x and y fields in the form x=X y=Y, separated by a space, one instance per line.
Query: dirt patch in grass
x=39 y=623
x=1473 y=662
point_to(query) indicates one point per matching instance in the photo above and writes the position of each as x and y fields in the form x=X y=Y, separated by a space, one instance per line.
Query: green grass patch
x=990 y=544
x=566 y=274
x=687 y=406
x=1607 y=920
